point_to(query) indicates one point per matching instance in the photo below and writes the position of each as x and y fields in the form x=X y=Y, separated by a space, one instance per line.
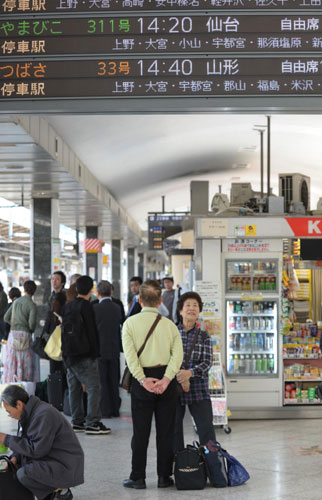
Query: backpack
x=189 y=469
x=74 y=336
x=216 y=465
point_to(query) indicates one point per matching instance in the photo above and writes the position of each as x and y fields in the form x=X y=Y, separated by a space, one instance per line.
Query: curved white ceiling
x=139 y=158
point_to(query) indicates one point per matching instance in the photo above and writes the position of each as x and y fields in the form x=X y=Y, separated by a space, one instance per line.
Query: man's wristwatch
x=142 y=381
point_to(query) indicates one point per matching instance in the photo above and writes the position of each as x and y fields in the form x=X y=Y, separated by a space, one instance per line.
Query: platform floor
x=283 y=457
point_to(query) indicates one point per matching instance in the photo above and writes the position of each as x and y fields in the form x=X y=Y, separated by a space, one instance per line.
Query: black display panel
x=96 y=6
x=129 y=77
x=162 y=226
x=159 y=34
x=311 y=249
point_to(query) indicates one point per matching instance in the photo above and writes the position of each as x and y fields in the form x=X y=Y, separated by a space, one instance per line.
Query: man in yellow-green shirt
x=153 y=387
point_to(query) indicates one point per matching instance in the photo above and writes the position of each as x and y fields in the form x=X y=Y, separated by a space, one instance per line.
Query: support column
x=44 y=250
x=93 y=260
x=131 y=267
x=117 y=258
x=141 y=265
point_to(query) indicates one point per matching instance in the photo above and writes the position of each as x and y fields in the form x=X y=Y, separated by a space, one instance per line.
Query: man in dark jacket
x=80 y=348
x=56 y=303
x=134 y=306
x=108 y=320
x=46 y=450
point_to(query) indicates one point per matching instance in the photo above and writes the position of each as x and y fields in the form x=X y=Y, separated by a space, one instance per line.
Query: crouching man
x=46 y=450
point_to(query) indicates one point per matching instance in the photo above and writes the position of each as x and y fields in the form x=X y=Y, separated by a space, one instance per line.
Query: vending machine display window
x=252 y=337
x=252 y=275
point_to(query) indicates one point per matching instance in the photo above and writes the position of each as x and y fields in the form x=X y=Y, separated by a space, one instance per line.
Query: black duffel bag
x=189 y=469
x=10 y=488
x=38 y=345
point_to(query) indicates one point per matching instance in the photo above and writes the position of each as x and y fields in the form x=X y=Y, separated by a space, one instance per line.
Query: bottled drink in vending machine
x=232 y=323
x=236 y=342
x=236 y=364
x=271 y=363
x=238 y=323
x=248 y=364
x=259 y=363
x=242 y=364
x=231 y=363
x=238 y=307
x=242 y=342
x=253 y=364
x=264 y=364
x=266 y=342
x=254 y=341
x=248 y=343
x=231 y=341
x=260 y=342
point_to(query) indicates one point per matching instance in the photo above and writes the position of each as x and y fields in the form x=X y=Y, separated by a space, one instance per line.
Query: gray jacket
x=24 y=312
x=47 y=446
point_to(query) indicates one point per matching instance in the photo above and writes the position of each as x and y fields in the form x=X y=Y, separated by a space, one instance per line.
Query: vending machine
x=251 y=317
x=252 y=287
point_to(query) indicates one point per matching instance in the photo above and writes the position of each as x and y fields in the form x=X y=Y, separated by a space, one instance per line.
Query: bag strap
x=187 y=359
x=12 y=315
x=157 y=319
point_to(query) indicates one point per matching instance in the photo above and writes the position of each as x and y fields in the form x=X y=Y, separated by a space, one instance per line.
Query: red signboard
x=93 y=245
x=310 y=227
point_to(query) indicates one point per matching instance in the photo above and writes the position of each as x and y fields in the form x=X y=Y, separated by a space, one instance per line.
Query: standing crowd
x=166 y=351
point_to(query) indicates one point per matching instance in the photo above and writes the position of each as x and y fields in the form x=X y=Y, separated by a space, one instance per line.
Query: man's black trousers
x=110 y=379
x=144 y=405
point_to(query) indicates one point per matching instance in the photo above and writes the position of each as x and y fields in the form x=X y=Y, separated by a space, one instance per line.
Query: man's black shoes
x=165 y=482
x=138 y=484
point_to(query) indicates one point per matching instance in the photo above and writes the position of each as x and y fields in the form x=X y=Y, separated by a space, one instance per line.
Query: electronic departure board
x=65 y=49
x=95 y=6
x=160 y=34
x=162 y=226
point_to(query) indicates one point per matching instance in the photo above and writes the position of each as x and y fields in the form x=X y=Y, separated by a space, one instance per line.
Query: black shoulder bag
x=10 y=487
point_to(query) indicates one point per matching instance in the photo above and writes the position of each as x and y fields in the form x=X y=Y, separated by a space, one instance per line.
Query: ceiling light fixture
x=21 y=235
x=240 y=165
x=14 y=167
x=247 y=149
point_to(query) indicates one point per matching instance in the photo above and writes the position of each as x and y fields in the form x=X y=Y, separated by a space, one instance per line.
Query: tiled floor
x=283 y=457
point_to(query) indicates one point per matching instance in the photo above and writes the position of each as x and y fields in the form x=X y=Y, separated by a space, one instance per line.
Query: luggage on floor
x=10 y=488
x=222 y=468
x=216 y=465
x=237 y=474
x=55 y=390
x=189 y=469
x=42 y=391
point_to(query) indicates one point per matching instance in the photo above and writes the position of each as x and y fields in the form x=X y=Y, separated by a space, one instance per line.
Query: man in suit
x=134 y=306
x=119 y=303
x=108 y=320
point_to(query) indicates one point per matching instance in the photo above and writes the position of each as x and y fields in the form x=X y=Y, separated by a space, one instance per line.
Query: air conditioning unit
x=295 y=188
x=240 y=193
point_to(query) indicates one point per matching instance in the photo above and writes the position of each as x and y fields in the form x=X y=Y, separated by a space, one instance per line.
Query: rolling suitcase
x=55 y=390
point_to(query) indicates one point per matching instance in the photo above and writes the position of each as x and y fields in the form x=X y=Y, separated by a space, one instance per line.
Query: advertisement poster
x=210 y=293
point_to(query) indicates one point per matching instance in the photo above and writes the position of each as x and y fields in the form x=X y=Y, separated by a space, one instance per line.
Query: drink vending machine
x=252 y=337
x=252 y=317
